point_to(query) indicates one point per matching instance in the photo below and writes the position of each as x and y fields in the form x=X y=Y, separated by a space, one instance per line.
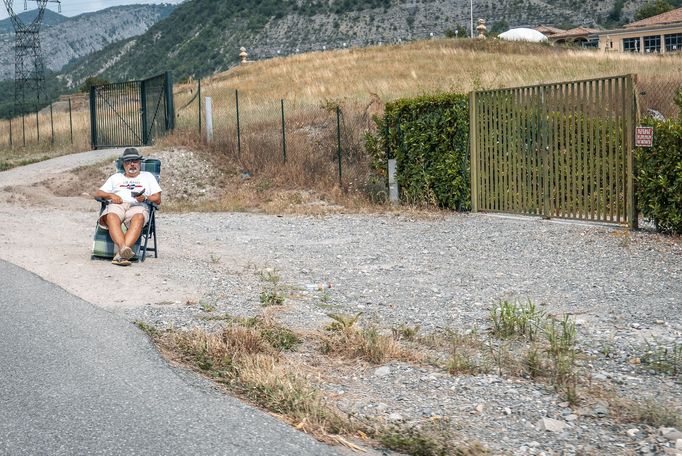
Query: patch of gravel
x=622 y=288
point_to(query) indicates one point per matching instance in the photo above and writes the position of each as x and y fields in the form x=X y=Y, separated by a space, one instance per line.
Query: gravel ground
x=622 y=288
x=439 y=273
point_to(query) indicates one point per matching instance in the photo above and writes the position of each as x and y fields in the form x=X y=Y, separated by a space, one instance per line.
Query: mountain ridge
x=202 y=37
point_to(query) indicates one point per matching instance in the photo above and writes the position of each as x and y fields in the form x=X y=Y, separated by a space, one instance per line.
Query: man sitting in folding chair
x=128 y=193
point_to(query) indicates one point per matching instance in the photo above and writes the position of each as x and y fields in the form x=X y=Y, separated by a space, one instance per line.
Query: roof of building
x=661 y=19
x=578 y=31
x=548 y=30
x=523 y=34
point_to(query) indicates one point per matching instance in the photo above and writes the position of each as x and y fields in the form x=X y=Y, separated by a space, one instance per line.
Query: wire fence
x=306 y=142
x=62 y=124
x=657 y=96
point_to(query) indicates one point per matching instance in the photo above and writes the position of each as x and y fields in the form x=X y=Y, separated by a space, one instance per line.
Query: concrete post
x=392 y=183
x=209 y=119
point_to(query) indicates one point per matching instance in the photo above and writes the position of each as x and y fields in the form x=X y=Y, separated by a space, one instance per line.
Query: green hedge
x=659 y=176
x=429 y=138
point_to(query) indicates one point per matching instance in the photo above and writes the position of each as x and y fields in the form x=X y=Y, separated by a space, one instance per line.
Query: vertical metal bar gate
x=556 y=150
x=131 y=113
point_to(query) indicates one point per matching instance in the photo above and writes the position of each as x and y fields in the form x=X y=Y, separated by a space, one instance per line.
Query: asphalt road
x=75 y=380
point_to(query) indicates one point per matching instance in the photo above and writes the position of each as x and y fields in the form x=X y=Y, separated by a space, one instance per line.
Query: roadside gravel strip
x=623 y=289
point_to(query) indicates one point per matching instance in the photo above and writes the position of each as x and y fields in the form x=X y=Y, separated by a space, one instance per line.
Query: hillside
x=75 y=37
x=49 y=19
x=203 y=36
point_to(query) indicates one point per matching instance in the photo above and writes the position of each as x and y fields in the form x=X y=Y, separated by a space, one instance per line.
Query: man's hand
x=140 y=198
x=115 y=198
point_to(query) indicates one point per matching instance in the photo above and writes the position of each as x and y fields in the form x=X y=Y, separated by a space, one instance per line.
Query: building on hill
x=548 y=31
x=579 y=36
x=661 y=33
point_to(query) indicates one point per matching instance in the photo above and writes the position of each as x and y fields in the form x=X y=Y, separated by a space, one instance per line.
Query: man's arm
x=155 y=198
x=113 y=197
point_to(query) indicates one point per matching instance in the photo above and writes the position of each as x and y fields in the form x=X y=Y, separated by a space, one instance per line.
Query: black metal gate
x=131 y=113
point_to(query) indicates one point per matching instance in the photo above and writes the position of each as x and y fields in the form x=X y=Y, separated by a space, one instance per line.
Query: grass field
x=360 y=81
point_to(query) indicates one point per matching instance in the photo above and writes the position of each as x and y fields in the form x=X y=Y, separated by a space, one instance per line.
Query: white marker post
x=392 y=183
x=209 y=119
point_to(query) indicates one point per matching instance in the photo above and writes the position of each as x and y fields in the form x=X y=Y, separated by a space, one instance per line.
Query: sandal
x=118 y=261
x=126 y=253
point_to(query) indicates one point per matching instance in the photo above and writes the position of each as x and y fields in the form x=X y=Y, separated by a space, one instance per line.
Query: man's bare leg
x=136 y=224
x=114 y=224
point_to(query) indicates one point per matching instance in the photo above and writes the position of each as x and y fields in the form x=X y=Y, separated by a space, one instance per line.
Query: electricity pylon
x=29 y=68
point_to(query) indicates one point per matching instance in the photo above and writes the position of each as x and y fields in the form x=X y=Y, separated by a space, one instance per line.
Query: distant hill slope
x=75 y=37
x=49 y=19
x=202 y=37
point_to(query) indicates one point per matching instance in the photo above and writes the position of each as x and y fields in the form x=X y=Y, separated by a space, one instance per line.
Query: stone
x=571 y=417
x=382 y=371
x=507 y=411
x=551 y=425
x=395 y=417
x=601 y=410
x=678 y=444
x=479 y=408
x=671 y=434
x=632 y=433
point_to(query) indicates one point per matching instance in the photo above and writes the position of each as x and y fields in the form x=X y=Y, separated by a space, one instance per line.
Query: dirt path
x=50 y=236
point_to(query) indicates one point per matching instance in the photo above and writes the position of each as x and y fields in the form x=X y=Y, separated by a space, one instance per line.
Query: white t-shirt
x=124 y=186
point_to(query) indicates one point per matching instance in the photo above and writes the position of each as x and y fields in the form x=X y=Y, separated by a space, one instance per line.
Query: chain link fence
x=657 y=95
x=303 y=142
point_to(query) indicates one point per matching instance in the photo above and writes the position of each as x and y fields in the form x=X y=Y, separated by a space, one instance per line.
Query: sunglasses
x=131 y=161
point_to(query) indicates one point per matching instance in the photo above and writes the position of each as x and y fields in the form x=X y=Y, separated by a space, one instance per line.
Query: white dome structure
x=523 y=34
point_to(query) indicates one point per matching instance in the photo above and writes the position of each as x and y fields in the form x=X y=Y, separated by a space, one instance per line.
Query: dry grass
x=360 y=82
x=246 y=357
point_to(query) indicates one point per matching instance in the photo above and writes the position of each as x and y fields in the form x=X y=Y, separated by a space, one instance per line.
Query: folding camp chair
x=104 y=247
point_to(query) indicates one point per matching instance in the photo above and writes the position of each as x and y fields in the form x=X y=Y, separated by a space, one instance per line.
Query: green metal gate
x=557 y=150
x=131 y=113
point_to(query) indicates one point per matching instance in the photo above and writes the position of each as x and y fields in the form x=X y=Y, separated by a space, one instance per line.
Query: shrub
x=429 y=138
x=659 y=176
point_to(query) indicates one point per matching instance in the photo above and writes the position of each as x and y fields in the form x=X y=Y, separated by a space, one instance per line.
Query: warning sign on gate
x=644 y=137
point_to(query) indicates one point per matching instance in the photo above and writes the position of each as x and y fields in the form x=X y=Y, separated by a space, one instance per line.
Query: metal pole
x=10 y=132
x=93 y=117
x=284 y=137
x=23 y=127
x=70 y=122
x=37 y=125
x=239 y=138
x=51 y=125
x=471 y=10
x=338 y=139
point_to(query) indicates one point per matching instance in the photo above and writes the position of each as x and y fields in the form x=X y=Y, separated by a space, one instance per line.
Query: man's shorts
x=125 y=212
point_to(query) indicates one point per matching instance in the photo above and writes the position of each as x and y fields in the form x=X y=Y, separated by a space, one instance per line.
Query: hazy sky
x=76 y=7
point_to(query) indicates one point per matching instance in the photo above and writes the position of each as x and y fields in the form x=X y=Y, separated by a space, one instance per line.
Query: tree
x=457 y=32
x=499 y=27
x=653 y=9
x=92 y=81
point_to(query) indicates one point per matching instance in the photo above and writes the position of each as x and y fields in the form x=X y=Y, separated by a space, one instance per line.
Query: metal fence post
x=143 y=113
x=338 y=140
x=170 y=102
x=631 y=115
x=11 y=142
x=284 y=137
x=239 y=137
x=70 y=122
x=473 y=152
x=51 y=125
x=93 y=117
x=23 y=127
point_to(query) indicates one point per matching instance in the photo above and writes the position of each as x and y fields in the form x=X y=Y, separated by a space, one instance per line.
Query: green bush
x=429 y=138
x=659 y=176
